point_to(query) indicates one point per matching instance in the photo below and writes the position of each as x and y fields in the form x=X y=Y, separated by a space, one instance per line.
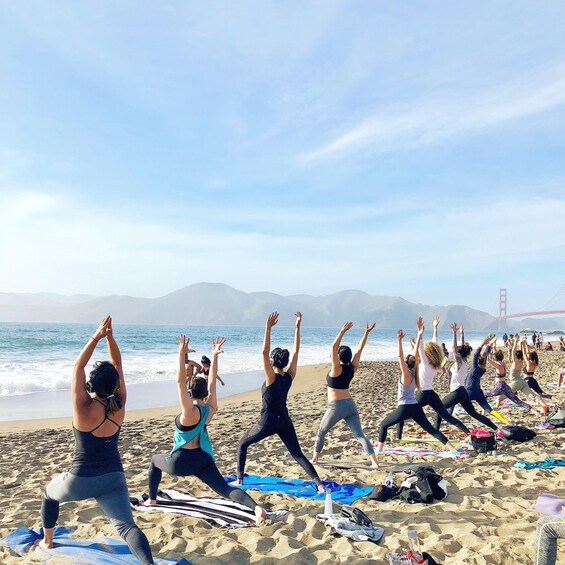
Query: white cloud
x=434 y=120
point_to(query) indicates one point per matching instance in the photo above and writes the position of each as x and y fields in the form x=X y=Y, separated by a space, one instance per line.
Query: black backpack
x=518 y=433
x=484 y=444
x=425 y=485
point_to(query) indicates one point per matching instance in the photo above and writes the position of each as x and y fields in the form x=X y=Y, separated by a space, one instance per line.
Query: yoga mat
x=346 y=493
x=99 y=551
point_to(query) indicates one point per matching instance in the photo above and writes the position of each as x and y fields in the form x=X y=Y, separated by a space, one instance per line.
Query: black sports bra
x=342 y=381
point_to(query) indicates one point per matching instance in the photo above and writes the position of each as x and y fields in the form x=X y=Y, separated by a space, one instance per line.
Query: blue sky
x=413 y=149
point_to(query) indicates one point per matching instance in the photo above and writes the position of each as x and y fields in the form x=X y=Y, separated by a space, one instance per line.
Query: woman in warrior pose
x=430 y=362
x=457 y=392
x=341 y=405
x=532 y=361
x=517 y=382
x=96 y=471
x=408 y=407
x=501 y=388
x=473 y=382
x=192 y=453
x=280 y=369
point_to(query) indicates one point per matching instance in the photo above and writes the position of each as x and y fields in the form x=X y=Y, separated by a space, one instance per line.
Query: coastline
x=485 y=519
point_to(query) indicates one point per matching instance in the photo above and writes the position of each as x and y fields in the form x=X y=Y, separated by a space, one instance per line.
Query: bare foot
x=236 y=483
x=314 y=459
x=150 y=503
x=321 y=488
x=374 y=462
x=260 y=514
x=44 y=544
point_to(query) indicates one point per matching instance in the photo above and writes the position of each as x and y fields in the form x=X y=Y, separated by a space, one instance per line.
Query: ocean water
x=37 y=358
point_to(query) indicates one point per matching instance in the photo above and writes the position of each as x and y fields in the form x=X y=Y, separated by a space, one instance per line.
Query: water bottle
x=415 y=552
x=328 y=506
x=389 y=479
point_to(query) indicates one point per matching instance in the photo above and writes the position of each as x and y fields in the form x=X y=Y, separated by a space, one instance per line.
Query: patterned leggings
x=548 y=531
x=502 y=389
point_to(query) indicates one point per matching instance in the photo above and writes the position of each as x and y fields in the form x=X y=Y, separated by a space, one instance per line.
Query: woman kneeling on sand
x=192 y=453
x=96 y=471
x=340 y=404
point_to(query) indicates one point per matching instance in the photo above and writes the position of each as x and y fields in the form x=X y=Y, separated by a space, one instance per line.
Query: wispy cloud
x=436 y=119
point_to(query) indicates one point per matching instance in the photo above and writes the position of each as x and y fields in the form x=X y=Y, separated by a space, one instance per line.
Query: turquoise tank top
x=182 y=438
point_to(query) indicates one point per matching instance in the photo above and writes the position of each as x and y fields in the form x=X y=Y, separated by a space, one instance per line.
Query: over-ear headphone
x=90 y=383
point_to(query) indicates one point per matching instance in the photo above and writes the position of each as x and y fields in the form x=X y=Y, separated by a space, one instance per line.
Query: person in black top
x=96 y=471
x=274 y=413
x=341 y=405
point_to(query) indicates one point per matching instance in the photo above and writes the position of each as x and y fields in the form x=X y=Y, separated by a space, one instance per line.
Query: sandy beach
x=486 y=518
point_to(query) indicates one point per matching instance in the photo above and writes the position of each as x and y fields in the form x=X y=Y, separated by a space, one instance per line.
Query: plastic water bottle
x=415 y=552
x=389 y=479
x=328 y=506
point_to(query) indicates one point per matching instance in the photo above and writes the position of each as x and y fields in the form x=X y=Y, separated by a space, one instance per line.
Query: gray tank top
x=406 y=392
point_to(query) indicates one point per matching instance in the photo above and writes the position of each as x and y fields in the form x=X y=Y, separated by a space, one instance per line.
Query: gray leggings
x=111 y=492
x=548 y=531
x=342 y=410
x=520 y=385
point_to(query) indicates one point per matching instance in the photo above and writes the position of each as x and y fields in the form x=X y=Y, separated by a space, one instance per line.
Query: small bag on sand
x=557 y=418
x=483 y=441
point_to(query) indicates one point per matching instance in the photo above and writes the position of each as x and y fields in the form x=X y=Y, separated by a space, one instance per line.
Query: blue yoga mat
x=99 y=551
x=346 y=494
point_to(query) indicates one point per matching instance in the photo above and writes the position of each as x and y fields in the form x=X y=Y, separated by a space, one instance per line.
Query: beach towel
x=216 y=511
x=346 y=493
x=547 y=463
x=99 y=551
x=413 y=451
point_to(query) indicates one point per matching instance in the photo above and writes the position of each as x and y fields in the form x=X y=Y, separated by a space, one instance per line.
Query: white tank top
x=458 y=376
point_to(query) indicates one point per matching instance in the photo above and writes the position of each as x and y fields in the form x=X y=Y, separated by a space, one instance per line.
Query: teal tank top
x=182 y=438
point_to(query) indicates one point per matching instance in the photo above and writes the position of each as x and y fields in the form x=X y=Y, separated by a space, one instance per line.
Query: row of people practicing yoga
x=99 y=411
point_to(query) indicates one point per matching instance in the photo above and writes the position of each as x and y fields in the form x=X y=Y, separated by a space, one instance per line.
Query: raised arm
x=296 y=348
x=462 y=330
x=336 y=365
x=494 y=363
x=269 y=372
x=435 y=324
x=80 y=398
x=188 y=414
x=456 y=355
x=422 y=358
x=116 y=360
x=406 y=373
x=357 y=357
x=212 y=402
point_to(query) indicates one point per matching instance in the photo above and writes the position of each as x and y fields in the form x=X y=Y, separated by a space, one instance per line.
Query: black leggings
x=271 y=424
x=197 y=463
x=460 y=396
x=430 y=398
x=534 y=385
x=407 y=412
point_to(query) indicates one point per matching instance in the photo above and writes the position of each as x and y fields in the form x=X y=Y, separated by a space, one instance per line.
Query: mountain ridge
x=219 y=304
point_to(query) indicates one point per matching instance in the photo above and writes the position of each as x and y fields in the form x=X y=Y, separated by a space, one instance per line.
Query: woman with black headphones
x=96 y=471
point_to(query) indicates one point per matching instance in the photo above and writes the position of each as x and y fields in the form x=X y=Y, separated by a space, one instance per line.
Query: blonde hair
x=434 y=353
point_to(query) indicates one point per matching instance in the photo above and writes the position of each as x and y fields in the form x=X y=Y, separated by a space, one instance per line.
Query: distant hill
x=219 y=304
